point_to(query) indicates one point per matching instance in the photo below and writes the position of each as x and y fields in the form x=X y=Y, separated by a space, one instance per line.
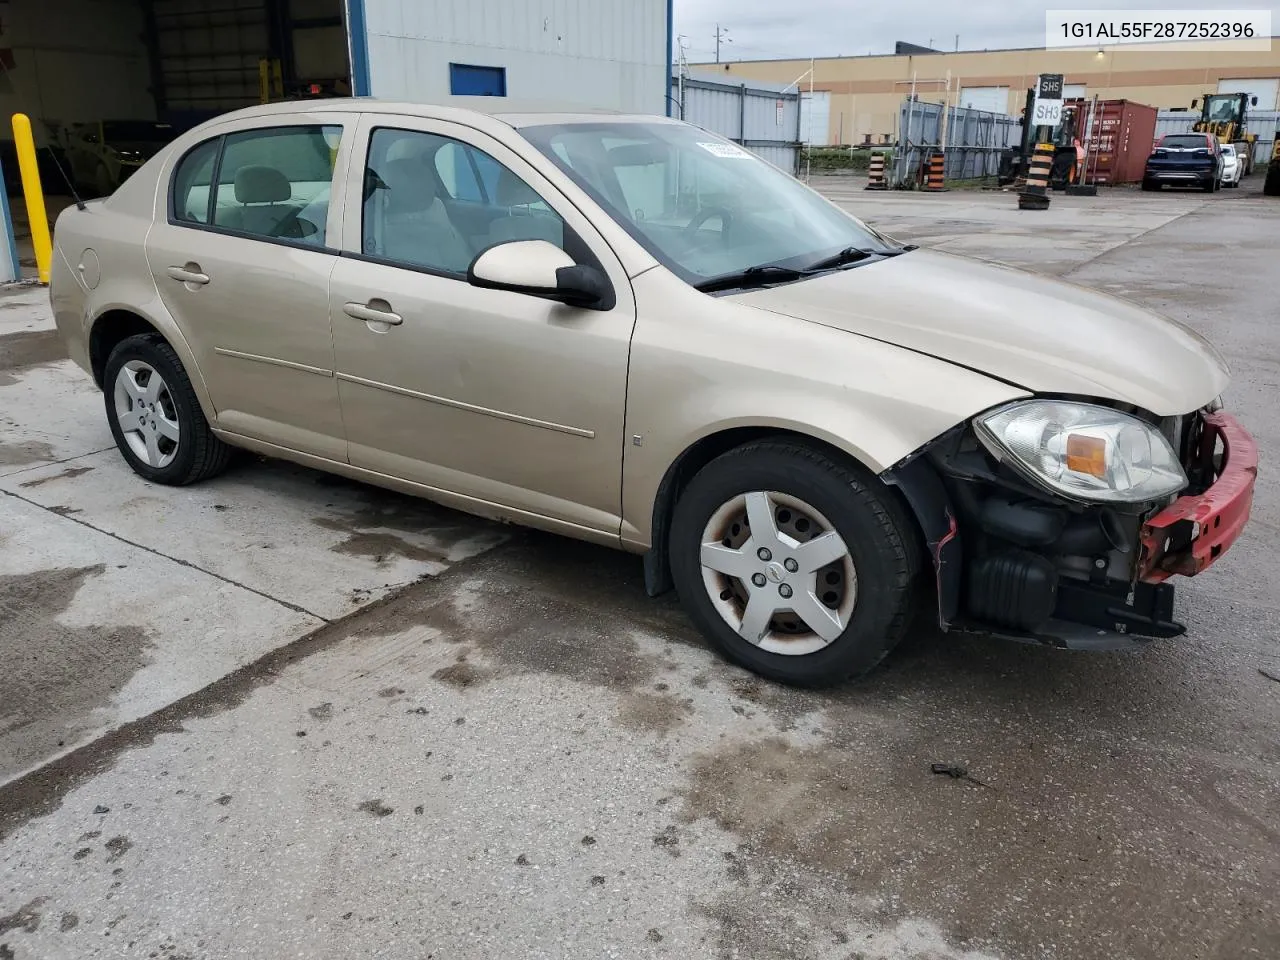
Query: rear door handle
x=188 y=273
x=372 y=314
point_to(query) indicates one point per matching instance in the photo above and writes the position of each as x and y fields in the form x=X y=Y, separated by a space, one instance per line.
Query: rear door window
x=276 y=182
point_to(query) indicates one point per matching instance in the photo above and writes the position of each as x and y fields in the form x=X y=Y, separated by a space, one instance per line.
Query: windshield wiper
x=751 y=277
x=773 y=273
x=854 y=254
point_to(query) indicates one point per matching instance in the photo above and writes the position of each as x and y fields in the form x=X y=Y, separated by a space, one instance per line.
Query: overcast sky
x=770 y=29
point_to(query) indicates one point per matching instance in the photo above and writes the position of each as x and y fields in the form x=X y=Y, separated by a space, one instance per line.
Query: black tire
x=199 y=454
x=1150 y=185
x=882 y=542
x=1271 y=185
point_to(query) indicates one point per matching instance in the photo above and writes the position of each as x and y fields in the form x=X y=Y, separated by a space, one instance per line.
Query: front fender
x=703 y=367
x=927 y=496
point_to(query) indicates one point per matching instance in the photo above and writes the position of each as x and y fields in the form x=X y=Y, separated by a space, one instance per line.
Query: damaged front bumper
x=1107 y=609
x=1194 y=531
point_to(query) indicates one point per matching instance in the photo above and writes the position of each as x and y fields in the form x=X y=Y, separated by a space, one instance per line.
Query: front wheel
x=795 y=566
x=155 y=417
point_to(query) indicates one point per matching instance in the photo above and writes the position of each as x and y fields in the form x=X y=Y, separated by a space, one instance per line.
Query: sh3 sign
x=1046 y=111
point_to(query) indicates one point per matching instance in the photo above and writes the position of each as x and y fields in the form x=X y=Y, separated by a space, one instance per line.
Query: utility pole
x=683 y=70
x=722 y=35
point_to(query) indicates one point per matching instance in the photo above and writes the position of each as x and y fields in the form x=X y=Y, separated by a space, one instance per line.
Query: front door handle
x=188 y=273
x=375 y=311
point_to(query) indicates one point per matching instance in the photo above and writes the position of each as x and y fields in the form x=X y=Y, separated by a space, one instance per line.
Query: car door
x=511 y=403
x=242 y=262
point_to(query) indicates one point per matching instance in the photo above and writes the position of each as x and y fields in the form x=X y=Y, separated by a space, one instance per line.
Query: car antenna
x=54 y=157
x=65 y=179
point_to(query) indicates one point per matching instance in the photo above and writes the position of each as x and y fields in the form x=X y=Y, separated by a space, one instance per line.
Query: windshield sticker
x=726 y=150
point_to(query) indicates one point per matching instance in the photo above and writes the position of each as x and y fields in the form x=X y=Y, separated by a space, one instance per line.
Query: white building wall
x=990 y=99
x=606 y=53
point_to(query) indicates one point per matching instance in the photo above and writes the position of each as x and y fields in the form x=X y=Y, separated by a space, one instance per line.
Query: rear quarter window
x=191 y=180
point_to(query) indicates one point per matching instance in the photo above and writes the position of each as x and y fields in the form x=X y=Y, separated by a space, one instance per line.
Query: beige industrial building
x=856 y=99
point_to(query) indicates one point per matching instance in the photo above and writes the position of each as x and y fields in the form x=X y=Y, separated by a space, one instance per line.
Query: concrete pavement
x=525 y=756
x=122 y=596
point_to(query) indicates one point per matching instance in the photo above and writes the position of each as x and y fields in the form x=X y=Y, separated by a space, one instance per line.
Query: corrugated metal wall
x=1261 y=122
x=608 y=53
x=763 y=118
x=974 y=140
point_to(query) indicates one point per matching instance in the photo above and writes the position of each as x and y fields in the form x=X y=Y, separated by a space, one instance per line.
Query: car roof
x=515 y=113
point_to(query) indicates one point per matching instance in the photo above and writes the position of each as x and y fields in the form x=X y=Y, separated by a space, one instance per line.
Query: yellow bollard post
x=36 y=217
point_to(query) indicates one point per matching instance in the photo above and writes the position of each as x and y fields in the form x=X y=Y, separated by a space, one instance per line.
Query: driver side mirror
x=539 y=268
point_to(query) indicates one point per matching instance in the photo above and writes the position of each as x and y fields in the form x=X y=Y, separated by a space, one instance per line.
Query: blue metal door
x=466 y=80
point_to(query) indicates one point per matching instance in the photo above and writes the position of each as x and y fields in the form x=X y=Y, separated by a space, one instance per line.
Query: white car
x=1232 y=166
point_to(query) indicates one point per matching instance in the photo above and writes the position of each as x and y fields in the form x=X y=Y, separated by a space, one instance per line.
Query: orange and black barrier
x=876 y=179
x=935 y=173
x=1035 y=195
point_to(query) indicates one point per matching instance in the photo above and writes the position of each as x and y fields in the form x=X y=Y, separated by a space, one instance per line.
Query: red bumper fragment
x=1194 y=531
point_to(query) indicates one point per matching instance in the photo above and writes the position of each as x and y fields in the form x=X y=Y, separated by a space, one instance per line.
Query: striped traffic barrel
x=935 y=172
x=875 y=173
x=1035 y=195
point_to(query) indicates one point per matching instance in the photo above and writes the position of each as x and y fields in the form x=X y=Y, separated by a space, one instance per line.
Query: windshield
x=138 y=131
x=703 y=206
x=1228 y=150
x=1187 y=141
x=1222 y=108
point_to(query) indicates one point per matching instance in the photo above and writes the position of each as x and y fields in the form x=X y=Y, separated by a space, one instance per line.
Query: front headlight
x=1082 y=451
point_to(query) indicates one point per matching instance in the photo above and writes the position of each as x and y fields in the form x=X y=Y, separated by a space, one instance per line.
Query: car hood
x=1044 y=335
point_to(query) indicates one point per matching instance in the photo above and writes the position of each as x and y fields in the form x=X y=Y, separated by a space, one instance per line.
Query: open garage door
x=104 y=81
x=218 y=55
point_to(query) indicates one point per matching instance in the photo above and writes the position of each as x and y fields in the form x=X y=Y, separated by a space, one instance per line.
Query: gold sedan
x=628 y=330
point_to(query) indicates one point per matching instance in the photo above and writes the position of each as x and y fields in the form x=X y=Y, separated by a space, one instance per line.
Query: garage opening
x=107 y=82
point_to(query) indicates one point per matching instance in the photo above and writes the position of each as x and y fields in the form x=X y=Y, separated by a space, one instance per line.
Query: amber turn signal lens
x=1087 y=455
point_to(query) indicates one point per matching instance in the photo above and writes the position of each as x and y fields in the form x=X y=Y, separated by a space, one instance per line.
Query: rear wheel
x=155 y=417
x=795 y=566
x=1148 y=184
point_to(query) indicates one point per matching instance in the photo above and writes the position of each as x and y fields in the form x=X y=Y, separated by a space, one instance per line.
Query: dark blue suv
x=1184 y=160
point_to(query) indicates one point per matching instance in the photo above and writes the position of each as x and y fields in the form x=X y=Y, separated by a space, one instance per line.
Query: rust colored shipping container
x=1120 y=141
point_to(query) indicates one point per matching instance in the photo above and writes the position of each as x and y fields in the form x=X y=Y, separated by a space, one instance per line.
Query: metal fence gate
x=763 y=118
x=1261 y=122
x=973 y=140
